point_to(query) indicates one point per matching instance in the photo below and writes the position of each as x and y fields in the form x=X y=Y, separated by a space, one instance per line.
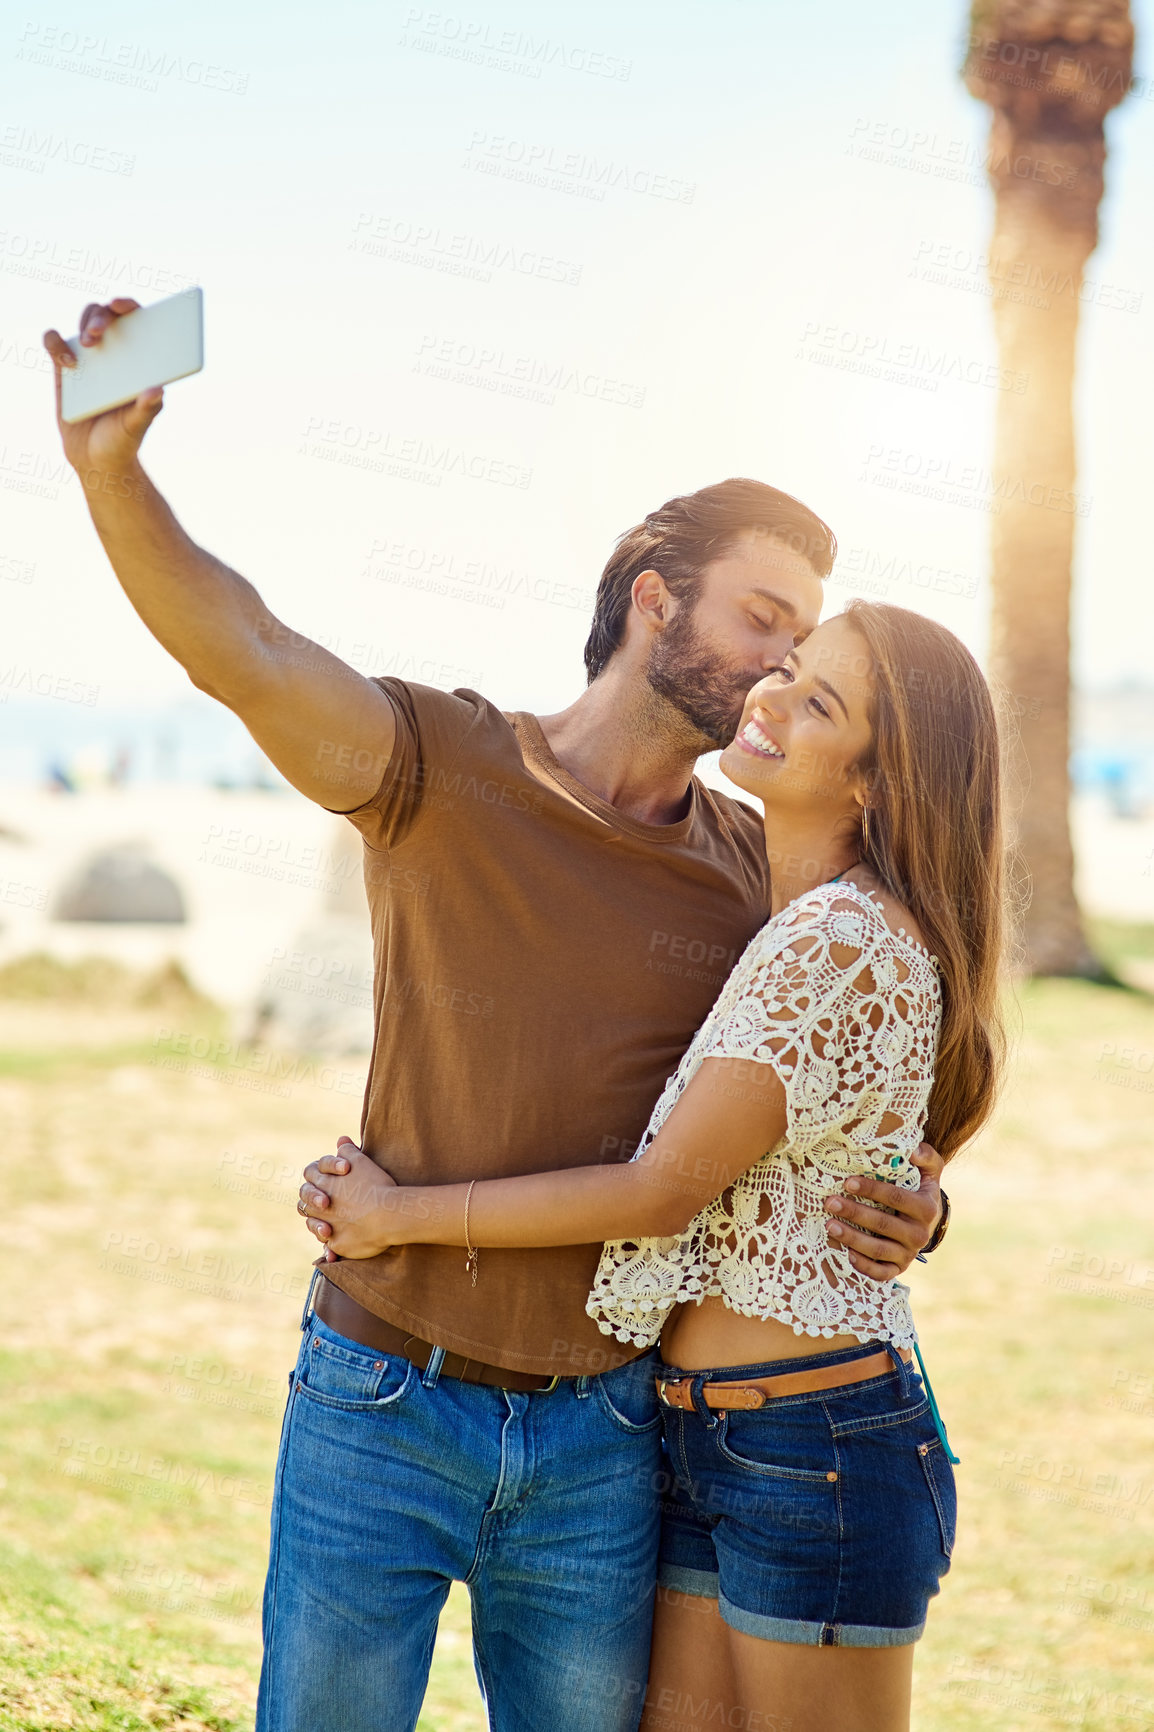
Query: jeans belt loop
x=903 y=1369
x=317 y=1276
x=697 y=1396
x=432 y=1370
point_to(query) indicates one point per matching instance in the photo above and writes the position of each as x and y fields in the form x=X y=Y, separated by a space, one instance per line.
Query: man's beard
x=699 y=682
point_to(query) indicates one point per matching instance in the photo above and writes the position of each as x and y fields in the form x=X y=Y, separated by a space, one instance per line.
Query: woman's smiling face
x=806 y=726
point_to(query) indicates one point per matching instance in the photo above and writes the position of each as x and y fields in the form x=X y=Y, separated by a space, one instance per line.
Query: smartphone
x=152 y=346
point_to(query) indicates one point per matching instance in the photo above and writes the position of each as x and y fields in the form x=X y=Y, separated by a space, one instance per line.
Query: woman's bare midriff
x=697 y=1337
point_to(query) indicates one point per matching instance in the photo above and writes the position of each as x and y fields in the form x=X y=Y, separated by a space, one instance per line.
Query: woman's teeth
x=760 y=742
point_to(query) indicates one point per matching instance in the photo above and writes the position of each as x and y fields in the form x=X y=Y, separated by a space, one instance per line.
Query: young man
x=582 y=899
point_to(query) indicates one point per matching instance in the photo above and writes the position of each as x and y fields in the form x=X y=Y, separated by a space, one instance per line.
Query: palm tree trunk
x=1047 y=150
x=1034 y=480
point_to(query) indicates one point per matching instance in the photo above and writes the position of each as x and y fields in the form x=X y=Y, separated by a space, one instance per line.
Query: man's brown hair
x=681 y=539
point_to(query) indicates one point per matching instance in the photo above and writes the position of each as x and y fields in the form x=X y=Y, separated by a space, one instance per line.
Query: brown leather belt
x=343 y=1315
x=754 y=1392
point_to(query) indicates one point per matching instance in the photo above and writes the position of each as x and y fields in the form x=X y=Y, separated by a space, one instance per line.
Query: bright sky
x=374 y=440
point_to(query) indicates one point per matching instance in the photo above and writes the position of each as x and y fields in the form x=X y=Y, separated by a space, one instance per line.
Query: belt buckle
x=549 y=1387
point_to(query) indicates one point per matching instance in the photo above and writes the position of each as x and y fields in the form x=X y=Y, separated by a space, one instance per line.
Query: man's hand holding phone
x=212 y=620
x=104 y=448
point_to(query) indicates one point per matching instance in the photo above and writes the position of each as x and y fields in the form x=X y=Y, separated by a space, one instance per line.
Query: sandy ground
x=258 y=870
x=252 y=868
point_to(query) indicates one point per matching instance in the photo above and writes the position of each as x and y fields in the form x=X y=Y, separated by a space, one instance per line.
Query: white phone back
x=153 y=346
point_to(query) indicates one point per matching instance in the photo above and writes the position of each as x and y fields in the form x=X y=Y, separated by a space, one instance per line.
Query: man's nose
x=776 y=649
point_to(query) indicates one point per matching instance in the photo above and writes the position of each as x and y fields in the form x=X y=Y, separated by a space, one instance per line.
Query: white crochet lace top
x=847 y=1011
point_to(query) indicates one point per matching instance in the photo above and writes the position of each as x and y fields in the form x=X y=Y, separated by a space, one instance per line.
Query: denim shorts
x=825 y=1519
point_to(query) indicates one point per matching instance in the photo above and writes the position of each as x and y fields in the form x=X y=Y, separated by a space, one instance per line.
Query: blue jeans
x=392 y=1482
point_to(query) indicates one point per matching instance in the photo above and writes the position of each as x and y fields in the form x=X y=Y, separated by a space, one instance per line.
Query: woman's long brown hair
x=935 y=842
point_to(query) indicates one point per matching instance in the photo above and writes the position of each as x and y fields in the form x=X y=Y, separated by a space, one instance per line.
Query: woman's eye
x=819 y=707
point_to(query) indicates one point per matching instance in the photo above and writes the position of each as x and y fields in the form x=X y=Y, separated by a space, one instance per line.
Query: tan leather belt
x=754 y=1392
x=346 y=1317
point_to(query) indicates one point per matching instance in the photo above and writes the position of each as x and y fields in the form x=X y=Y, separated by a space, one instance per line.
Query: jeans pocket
x=940 y=1479
x=878 y=1418
x=629 y=1396
x=340 y=1373
x=754 y=1441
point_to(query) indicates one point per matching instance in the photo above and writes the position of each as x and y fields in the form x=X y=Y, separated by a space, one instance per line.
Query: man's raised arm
x=327 y=729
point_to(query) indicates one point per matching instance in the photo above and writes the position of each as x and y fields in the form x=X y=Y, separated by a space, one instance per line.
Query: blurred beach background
x=482 y=289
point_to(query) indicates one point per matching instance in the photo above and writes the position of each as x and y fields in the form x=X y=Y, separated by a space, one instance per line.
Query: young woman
x=811 y=1511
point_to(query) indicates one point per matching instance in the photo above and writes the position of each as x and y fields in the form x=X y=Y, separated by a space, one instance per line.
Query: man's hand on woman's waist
x=883 y=1245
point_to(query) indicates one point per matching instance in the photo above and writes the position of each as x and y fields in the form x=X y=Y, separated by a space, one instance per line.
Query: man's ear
x=652 y=600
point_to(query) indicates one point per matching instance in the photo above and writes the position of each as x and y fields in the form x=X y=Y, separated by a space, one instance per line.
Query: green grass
x=59 y=1063
x=130 y=1577
x=1119 y=941
x=96 y=981
x=58 y=1671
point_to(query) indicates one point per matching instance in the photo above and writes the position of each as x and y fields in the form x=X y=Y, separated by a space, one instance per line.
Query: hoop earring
x=865 y=830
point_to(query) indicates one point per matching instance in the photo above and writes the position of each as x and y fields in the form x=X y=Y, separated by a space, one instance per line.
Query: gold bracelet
x=471 y=1259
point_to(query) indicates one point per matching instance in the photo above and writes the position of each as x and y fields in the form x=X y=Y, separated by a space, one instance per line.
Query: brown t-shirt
x=541 y=963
